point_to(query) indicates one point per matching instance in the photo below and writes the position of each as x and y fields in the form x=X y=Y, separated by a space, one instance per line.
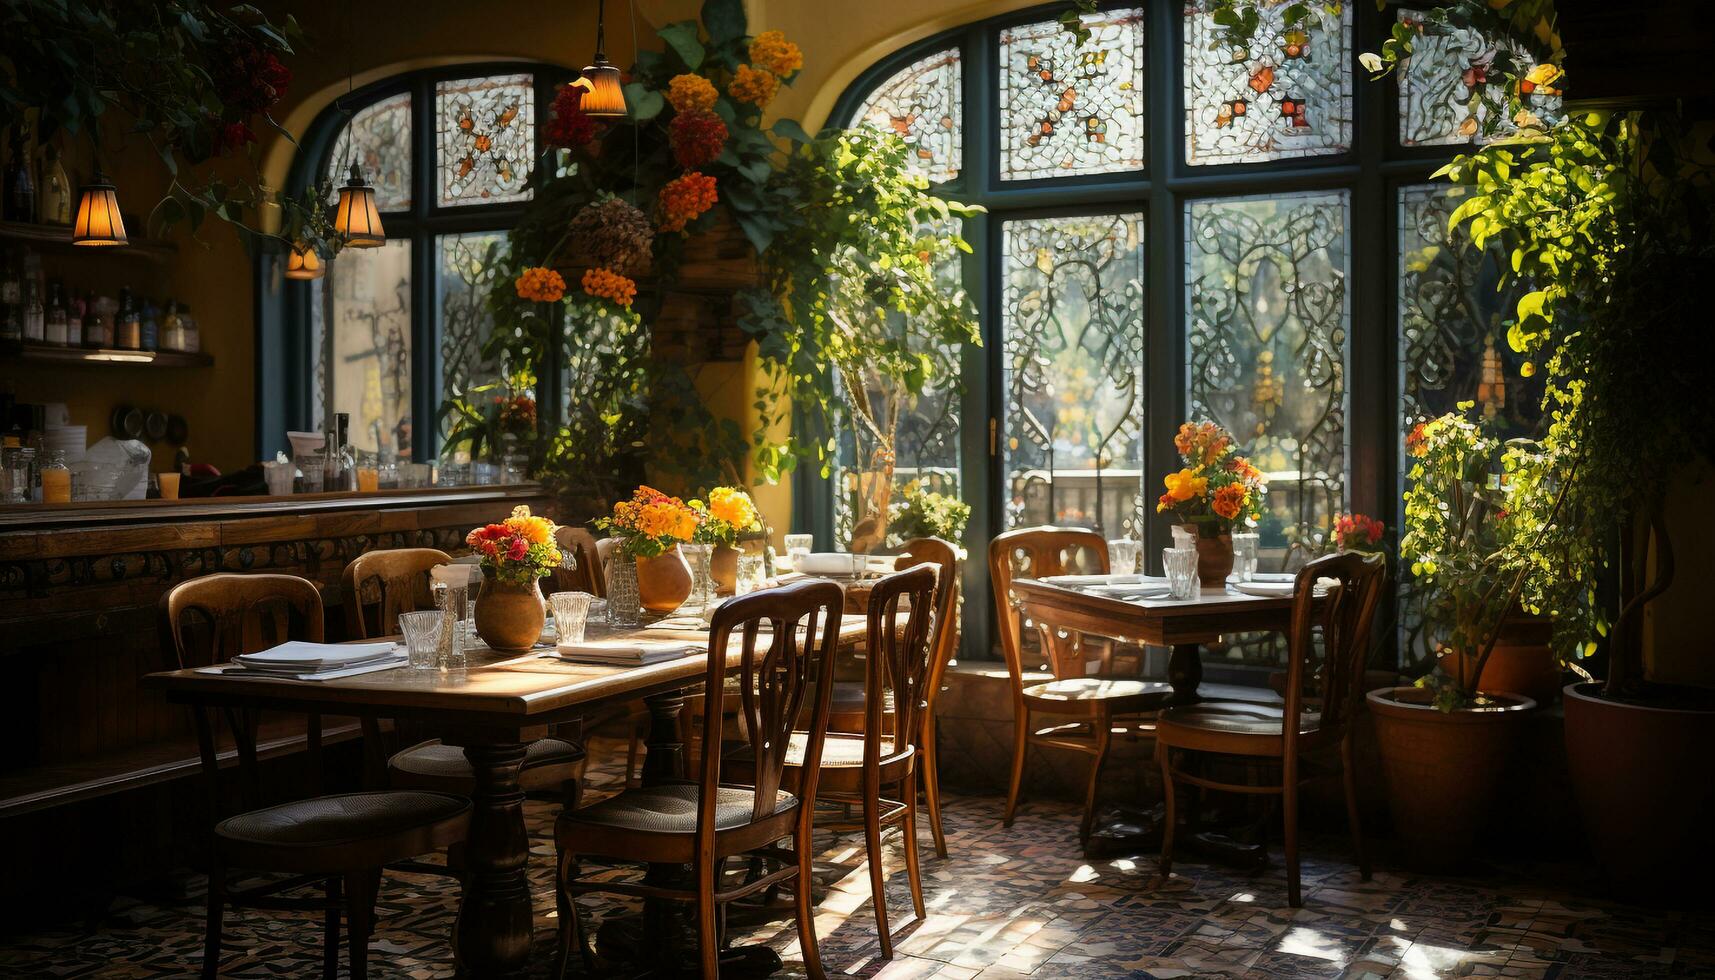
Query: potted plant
x=727 y=513
x=515 y=554
x=1216 y=490
x=921 y=513
x=650 y=527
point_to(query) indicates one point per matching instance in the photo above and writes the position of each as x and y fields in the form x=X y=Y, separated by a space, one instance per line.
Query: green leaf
x=725 y=20
x=682 y=38
x=644 y=103
x=790 y=129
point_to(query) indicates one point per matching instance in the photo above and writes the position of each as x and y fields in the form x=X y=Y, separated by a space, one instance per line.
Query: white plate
x=1269 y=590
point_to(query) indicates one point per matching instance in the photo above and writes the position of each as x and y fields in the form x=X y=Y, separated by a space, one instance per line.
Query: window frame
x=1371 y=171
x=286 y=390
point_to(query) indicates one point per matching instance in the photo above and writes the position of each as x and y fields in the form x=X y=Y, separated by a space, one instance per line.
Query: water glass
x=1181 y=567
x=422 y=637
x=310 y=467
x=1123 y=554
x=454 y=474
x=700 y=557
x=571 y=613
x=1244 y=555
x=624 y=605
x=799 y=544
x=749 y=574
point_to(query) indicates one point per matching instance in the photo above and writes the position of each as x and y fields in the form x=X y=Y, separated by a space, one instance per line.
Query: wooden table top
x=497 y=689
x=1067 y=601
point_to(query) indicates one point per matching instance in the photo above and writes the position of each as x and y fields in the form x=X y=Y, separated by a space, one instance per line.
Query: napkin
x=625 y=652
x=304 y=656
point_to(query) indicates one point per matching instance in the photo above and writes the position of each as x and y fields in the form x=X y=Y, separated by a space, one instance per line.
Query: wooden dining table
x=494 y=709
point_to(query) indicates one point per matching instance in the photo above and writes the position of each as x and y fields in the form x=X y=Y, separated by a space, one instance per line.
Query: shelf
x=58 y=239
x=42 y=353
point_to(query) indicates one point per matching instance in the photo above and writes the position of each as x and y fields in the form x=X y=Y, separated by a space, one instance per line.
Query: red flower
x=233 y=136
x=519 y=549
x=697 y=138
x=249 y=79
x=569 y=127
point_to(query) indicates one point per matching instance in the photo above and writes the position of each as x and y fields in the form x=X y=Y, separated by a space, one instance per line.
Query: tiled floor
x=1007 y=903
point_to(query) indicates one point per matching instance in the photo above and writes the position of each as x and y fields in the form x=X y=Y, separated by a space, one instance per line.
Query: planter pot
x=1214 y=558
x=1643 y=777
x=1522 y=661
x=509 y=616
x=1443 y=770
x=663 y=582
x=723 y=568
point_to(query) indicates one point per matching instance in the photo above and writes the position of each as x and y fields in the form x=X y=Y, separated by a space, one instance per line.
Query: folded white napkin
x=302 y=655
x=1086 y=580
x=626 y=652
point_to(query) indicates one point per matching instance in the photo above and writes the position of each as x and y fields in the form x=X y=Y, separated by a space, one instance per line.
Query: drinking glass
x=1244 y=555
x=1123 y=554
x=311 y=466
x=571 y=613
x=799 y=544
x=422 y=632
x=749 y=574
x=700 y=557
x=454 y=474
x=1181 y=566
x=624 y=606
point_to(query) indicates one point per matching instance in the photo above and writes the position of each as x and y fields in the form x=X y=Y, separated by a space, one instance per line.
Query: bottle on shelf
x=56 y=479
x=188 y=328
x=150 y=331
x=53 y=198
x=341 y=472
x=172 y=332
x=94 y=335
x=20 y=203
x=11 y=298
x=35 y=317
x=54 y=317
x=127 y=323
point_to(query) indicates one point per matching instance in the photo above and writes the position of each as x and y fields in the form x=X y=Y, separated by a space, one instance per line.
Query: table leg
x=665 y=760
x=492 y=936
x=1185 y=672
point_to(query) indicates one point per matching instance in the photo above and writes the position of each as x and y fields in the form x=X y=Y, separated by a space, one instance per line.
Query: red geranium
x=697 y=138
x=569 y=127
x=232 y=137
x=249 y=79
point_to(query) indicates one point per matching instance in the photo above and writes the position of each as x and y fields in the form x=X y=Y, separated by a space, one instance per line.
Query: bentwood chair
x=850 y=700
x=1321 y=702
x=381 y=585
x=1086 y=706
x=342 y=840
x=787 y=638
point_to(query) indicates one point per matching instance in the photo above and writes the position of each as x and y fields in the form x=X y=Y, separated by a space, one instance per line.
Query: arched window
x=1176 y=229
x=451 y=154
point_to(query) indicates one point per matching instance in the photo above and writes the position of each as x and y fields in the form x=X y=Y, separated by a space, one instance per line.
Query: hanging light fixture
x=356 y=219
x=604 y=96
x=304 y=262
x=98 y=219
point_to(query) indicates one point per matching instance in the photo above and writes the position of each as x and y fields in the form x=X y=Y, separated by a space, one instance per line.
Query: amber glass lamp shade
x=356 y=218
x=98 y=219
x=304 y=263
x=604 y=95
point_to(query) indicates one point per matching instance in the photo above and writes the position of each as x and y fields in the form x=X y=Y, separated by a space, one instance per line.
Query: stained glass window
x=922 y=102
x=382 y=132
x=463 y=278
x=1452 y=86
x=1268 y=316
x=361 y=323
x=1289 y=94
x=1067 y=109
x=485 y=139
x=1073 y=323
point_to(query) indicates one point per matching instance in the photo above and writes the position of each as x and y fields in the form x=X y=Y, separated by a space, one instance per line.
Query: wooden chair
x=707 y=822
x=1087 y=705
x=861 y=768
x=342 y=840
x=398 y=581
x=851 y=704
x=1307 y=721
x=586 y=574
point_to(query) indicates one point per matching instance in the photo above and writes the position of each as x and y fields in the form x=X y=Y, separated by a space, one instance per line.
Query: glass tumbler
x=1181 y=567
x=624 y=605
x=749 y=574
x=1123 y=554
x=700 y=557
x=571 y=614
x=799 y=544
x=1244 y=555
x=422 y=637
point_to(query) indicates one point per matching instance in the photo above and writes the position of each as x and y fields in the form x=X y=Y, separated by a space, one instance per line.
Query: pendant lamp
x=98 y=219
x=304 y=263
x=604 y=96
x=356 y=219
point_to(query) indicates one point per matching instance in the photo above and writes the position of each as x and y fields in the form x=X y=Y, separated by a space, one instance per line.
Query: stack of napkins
x=626 y=653
x=301 y=660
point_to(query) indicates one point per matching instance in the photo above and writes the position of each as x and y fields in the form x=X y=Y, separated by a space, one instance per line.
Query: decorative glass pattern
x=1067 y=110
x=922 y=103
x=363 y=357
x=463 y=277
x=383 y=148
x=1288 y=95
x=1073 y=333
x=1268 y=320
x=485 y=139
x=1452 y=86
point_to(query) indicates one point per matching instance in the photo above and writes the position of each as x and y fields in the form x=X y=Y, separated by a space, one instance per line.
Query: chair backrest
x=944 y=630
x=586 y=575
x=899 y=656
x=1034 y=552
x=211 y=619
x=1345 y=614
x=779 y=671
x=379 y=585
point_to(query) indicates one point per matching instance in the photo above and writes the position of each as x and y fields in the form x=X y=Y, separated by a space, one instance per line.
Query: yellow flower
x=1185 y=484
x=733 y=506
x=691 y=93
x=771 y=50
x=753 y=85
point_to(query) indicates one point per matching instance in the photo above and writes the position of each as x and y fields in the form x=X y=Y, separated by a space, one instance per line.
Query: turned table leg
x=1185 y=672
x=665 y=760
x=492 y=937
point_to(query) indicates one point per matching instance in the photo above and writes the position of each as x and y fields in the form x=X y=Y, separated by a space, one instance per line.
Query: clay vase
x=1522 y=661
x=1444 y=770
x=663 y=582
x=509 y=616
x=723 y=568
x=1214 y=558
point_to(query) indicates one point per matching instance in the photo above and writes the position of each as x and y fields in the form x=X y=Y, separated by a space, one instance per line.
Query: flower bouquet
x=650 y=528
x=728 y=513
x=1216 y=490
x=1357 y=532
x=514 y=554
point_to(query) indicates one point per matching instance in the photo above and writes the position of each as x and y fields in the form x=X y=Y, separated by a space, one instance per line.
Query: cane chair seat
x=387 y=825
x=1233 y=726
x=548 y=763
x=1076 y=694
x=672 y=809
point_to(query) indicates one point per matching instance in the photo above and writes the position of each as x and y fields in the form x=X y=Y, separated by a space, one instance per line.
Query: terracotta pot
x=1522 y=661
x=723 y=568
x=1214 y=558
x=663 y=582
x=509 y=616
x=1645 y=786
x=1444 y=770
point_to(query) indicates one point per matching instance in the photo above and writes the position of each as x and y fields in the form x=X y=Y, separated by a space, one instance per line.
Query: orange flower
x=540 y=285
x=691 y=93
x=772 y=51
x=609 y=285
x=1184 y=485
x=1416 y=442
x=753 y=85
x=1229 y=500
x=684 y=199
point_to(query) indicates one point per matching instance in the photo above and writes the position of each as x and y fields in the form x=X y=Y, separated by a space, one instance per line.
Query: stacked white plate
x=73 y=440
x=309 y=661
